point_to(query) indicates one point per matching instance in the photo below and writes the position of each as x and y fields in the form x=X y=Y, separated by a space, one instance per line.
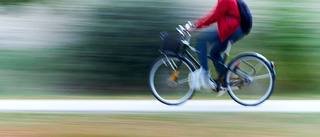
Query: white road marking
x=155 y=106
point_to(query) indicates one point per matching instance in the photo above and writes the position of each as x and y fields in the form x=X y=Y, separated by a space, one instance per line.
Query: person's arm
x=218 y=11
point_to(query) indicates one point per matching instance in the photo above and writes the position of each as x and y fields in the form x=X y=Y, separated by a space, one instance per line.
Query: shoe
x=201 y=80
x=195 y=81
x=206 y=81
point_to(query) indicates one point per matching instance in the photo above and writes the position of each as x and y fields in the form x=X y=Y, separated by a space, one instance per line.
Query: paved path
x=133 y=106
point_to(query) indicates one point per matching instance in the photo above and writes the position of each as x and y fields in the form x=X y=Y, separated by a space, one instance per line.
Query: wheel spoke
x=183 y=81
x=261 y=77
x=234 y=87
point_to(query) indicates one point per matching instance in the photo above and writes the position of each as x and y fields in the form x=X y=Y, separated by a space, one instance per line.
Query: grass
x=160 y=124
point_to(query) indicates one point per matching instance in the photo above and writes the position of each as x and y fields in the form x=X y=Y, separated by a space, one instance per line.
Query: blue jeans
x=210 y=35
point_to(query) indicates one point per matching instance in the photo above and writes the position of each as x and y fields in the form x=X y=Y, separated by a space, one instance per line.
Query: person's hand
x=190 y=27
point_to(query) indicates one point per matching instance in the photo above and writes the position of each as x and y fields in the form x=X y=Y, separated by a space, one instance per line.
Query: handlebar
x=186 y=35
x=184 y=32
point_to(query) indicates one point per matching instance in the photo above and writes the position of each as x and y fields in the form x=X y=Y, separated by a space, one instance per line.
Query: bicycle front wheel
x=171 y=79
x=250 y=79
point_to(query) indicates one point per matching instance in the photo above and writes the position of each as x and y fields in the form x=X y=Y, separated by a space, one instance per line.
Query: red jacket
x=227 y=16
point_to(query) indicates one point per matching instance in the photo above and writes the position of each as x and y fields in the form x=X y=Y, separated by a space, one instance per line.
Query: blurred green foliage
x=14 y=2
x=108 y=46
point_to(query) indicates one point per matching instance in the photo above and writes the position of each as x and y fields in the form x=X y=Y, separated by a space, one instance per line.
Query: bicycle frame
x=185 y=53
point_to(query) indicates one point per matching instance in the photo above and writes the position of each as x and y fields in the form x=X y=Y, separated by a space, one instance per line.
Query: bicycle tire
x=258 y=84
x=166 y=90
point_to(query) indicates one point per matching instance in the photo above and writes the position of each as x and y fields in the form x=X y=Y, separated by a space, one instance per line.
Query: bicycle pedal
x=221 y=92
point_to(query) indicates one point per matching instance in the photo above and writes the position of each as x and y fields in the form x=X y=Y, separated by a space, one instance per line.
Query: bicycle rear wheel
x=171 y=79
x=250 y=79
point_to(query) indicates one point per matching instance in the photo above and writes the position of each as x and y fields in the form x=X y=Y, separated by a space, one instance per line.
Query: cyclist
x=226 y=15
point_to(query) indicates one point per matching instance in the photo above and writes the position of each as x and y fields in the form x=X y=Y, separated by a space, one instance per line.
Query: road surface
x=136 y=106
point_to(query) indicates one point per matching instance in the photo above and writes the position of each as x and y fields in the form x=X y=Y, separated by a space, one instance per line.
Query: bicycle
x=249 y=78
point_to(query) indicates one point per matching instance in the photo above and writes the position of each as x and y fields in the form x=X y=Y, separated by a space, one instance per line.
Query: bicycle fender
x=270 y=65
